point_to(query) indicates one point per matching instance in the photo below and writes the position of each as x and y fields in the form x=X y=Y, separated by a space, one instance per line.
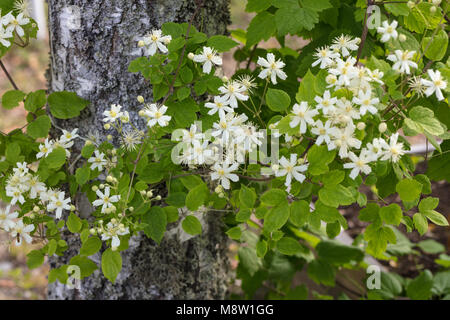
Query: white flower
x=358 y=164
x=21 y=169
x=232 y=92
x=7 y=218
x=324 y=133
x=113 y=231
x=5 y=34
x=388 y=31
x=23 y=6
x=376 y=75
x=375 y=149
x=402 y=61
x=435 y=84
x=45 y=149
x=344 y=139
x=272 y=68
x=105 y=200
x=201 y=152
x=365 y=102
x=192 y=134
x=21 y=231
x=209 y=58
x=15 y=23
x=59 y=204
x=303 y=115
x=345 y=44
x=98 y=160
x=130 y=139
x=220 y=105
x=345 y=111
x=345 y=71
x=326 y=103
x=113 y=114
x=393 y=150
x=325 y=57
x=223 y=173
x=225 y=128
x=16 y=195
x=68 y=136
x=156 y=115
x=36 y=187
x=290 y=169
x=155 y=40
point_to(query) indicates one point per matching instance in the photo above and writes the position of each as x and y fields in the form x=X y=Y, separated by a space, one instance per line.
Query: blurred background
x=28 y=66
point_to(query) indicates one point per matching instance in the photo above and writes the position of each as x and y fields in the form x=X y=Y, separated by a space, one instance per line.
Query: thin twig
x=8 y=75
x=365 y=30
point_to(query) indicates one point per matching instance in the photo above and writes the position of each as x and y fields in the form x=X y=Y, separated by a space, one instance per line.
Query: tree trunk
x=92 y=43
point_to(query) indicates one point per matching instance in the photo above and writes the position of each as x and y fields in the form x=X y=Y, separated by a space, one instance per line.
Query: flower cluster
x=10 y=24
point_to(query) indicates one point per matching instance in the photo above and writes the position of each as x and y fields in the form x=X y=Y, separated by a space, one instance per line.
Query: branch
x=365 y=30
x=9 y=76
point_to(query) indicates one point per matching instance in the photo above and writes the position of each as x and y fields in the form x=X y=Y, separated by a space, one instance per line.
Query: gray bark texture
x=92 y=43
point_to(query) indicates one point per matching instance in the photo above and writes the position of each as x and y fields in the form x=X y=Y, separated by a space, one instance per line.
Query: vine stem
x=365 y=30
x=8 y=75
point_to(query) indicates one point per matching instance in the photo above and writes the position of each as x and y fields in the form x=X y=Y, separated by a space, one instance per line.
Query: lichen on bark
x=92 y=44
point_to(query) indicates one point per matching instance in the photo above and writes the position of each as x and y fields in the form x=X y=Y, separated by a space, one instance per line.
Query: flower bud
x=221 y=195
x=150 y=194
x=436 y=2
x=72 y=208
x=131 y=209
x=92 y=231
x=32 y=216
x=141 y=43
x=101 y=186
x=113 y=221
x=143 y=193
x=411 y=4
x=94 y=188
x=433 y=9
x=191 y=55
x=402 y=38
x=382 y=127
x=113 y=208
x=218 y=189
x=107 y=126
x=109 y=137
x=225 y=79
x=109 y=179
x=114 y=248
x=114 y=152
x=301 y=161
x=272 y=126
x=88 y=143
x=140 y=99
x=361 y=126
x=275 y=167
x=158 y=197
x=141 y=113
x=36 y=209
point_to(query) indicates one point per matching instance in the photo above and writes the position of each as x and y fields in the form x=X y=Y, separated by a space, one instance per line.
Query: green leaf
x=424 y=118
x=316 y=5
x=435 y=48
x=308 y=17
x=420 y=222
x=35 y=100
x=35 y=259
x=171 y=214
x=73 y=223
x=436 y=217
x=12 y=98
x=273 y=197
x=288 y=20
x=221 y=43
x=56 y=158
x=197 y=197
x=409 y=189
x=261 y=248
x=321 y=272
x=173 y=29
x=86 y=265
x=299 y=213
x=234 y=233
x=257 y=5
x=333 y=177
x=39 y=127
x=431 y=246
x=176 y=199
x=319 y=157
x=306 y=90
x=91 y=246
x=391 y=214
x=262 y=27
x=66 y=105
x=156 y=221
x=420 y=287
x=12 y=152
x=288 y=246
x=335 y=252
x=276 y=217
x=152 y=173
x=82 y=175
x=243 y=215
x=192 y=225
x=429 y=203
x=52 y=246
x=277 y=100
x=336 y=195
x=249 y=260
x=247 y=196
x=183 y=93
x=111 y=264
